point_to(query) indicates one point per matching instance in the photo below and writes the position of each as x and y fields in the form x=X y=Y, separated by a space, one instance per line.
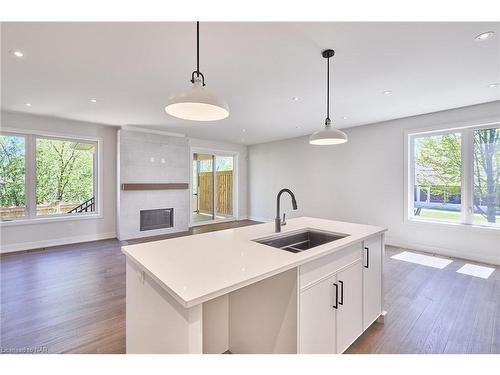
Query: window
x=64 y=176
x=438 y=176
x=486 y=162
x=55 y=176
x=454 y=176
x=12 y=176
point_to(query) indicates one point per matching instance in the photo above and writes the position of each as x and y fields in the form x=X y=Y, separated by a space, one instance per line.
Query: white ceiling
x=132 y=68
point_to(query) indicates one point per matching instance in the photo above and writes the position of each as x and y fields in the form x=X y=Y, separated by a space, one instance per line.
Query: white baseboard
x=441 y=251
x=153 y=233
x=262 y=219
x=4 y=249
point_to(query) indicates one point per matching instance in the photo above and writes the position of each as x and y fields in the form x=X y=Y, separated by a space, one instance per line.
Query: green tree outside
x=12 y=171
x=439 y=159
x=64 y=173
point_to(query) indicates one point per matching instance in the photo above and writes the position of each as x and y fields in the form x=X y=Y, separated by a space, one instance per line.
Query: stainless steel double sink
x=298 y=241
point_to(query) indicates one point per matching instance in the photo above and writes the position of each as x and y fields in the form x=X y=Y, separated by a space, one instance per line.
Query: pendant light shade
x=328 y=135
x=197 y=103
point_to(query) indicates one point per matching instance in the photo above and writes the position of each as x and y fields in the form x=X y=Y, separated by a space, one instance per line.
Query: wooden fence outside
x=224 y=188
x=47 y=209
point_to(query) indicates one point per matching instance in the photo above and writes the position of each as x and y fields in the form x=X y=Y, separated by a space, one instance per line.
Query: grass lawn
x=451 y=215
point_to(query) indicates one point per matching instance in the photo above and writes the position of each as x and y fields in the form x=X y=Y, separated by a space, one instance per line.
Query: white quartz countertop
x=197 y=268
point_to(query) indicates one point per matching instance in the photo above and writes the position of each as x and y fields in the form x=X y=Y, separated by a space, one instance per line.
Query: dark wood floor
x=432 y=310
x=71 y=299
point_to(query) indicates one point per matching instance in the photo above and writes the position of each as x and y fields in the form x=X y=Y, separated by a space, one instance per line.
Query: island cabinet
x=222 y=292
x=372 y=279
x=331 y=302
x=340 y=296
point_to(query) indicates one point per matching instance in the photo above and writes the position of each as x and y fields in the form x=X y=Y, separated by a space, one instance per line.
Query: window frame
x=21 y=135
x=215 y=152
x=467 y=176
x=30 y=137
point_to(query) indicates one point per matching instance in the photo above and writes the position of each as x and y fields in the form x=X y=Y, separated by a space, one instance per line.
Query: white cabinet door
x=372 y=280
x=317 y=318
x=350 y=311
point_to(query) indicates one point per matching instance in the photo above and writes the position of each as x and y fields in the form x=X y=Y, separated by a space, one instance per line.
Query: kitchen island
x=223 y=291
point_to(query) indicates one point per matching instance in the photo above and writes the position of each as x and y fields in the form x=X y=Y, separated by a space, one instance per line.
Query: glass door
x=203 y=202
x=224 y=186
x=213 y=186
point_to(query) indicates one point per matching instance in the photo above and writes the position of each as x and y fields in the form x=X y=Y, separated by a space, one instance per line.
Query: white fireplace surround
x=151 y=158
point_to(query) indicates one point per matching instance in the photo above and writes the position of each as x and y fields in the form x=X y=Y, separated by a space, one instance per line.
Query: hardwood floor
x=432 y=310
x=71 y=299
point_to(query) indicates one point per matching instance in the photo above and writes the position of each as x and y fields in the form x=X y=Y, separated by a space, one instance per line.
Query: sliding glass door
x=212 y=187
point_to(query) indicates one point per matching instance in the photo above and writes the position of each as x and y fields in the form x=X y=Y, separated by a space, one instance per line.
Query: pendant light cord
x=198 y=48
x=197 y=71
x=328 y=88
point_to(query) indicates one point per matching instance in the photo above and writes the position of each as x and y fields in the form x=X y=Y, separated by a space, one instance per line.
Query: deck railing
x=86 y=206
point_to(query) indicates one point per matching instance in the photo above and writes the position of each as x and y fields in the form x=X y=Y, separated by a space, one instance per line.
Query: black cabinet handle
x=367 y=265
x=341 y=302
x=336 y=306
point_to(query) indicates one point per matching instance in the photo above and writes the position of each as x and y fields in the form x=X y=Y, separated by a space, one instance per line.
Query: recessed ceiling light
x=295 y=98
x=16 y=53
x=93 y=100
x=387 y=92
x=344 y=117
x=484 y=36
x=27 y=104
x=244 y=130
x=492 y=85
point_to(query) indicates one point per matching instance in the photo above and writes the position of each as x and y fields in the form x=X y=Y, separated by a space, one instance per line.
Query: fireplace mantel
x=154 y=186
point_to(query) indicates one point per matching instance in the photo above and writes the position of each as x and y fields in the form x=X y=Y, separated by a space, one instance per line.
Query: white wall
x=33 y=236
x=242 y=168
x=152 y=158
x=362 y=181
x=39 y=235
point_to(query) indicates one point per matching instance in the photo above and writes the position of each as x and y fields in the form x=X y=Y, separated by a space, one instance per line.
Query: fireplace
x=157 y=219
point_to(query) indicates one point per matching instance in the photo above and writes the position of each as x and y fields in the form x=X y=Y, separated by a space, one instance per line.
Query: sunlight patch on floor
x=425 y=260
x=476 y=271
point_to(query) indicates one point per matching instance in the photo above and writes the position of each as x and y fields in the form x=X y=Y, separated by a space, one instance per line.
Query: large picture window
x=12 y=176
x=454 y=176
x=47 y=176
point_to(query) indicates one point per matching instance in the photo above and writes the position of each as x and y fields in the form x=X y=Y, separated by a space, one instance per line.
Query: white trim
x=55 y=242
x=49 y=219
x=153 y=233
x=467 y=188
x=207 y=222
x=467 y=174
x=445 y=128
x=261 y=219
x=70 y=136
x=135 y=128
x=443 y=224
x=215 y=153
x=118 y=189
x=396 y=242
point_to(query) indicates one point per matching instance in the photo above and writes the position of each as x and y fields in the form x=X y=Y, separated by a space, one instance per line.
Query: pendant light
x=328 y=135
x=197 y=103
